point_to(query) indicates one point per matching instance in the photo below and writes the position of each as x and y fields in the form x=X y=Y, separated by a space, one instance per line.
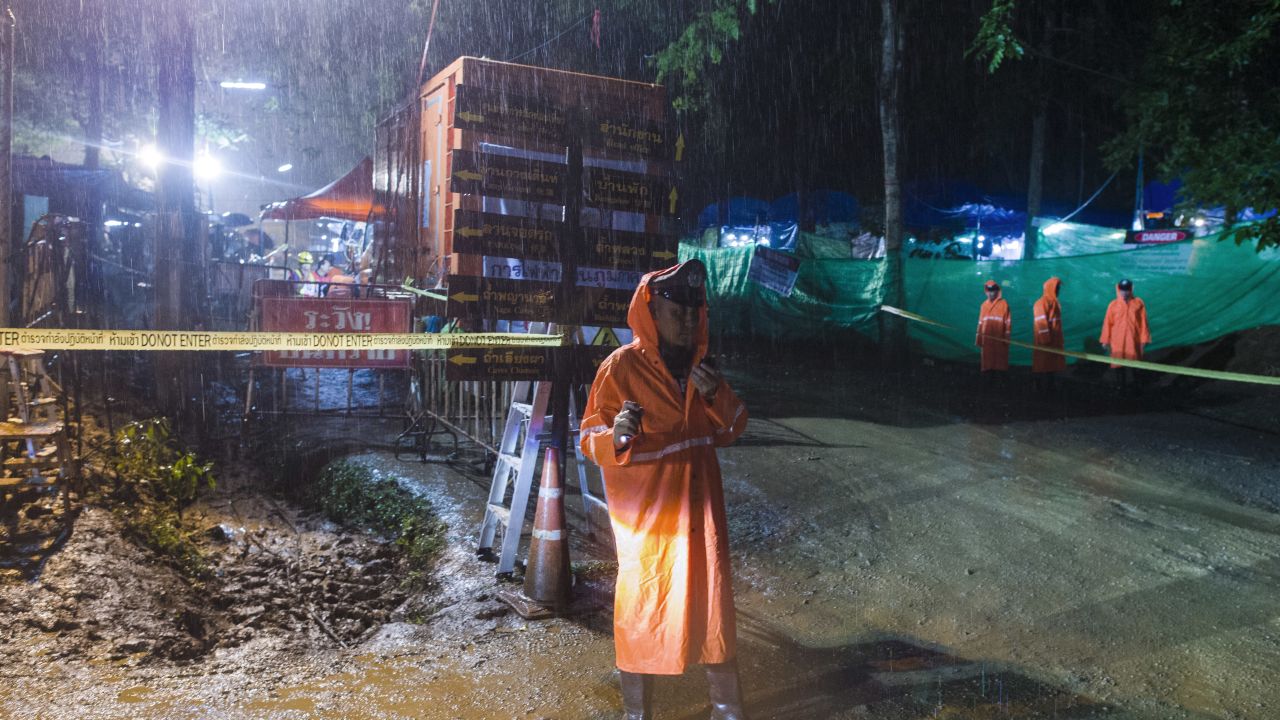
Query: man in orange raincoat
x=1124 y=330
x=1048 y=333
x=994 y=327
x=654 y=418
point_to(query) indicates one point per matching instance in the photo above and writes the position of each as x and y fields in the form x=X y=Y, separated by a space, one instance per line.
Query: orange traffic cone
x=546 y=574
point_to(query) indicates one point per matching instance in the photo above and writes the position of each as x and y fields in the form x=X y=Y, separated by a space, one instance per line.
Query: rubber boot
x=637 y=695
x=725 y=691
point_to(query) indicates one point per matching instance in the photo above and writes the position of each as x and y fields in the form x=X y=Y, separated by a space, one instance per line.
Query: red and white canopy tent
x=350 y=197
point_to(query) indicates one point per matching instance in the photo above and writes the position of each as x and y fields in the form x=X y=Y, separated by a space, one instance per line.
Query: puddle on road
x=134 y=694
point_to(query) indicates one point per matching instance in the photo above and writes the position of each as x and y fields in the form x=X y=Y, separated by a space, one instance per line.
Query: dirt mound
x=1257 y=352
x=102 y=596
x=276 y=574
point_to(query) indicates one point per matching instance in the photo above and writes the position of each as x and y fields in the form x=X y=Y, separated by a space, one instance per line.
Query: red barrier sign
x=336 y=315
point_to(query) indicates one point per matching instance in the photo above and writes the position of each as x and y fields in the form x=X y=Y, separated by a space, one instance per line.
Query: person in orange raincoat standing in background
x=994 y=327
x=1048 y=334
x=655 y=415
x=1125 y=334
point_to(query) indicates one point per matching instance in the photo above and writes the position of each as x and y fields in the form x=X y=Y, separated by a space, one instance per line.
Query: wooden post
x=176 y=221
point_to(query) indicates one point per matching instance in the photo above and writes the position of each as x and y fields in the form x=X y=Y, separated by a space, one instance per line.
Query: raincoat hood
x=1051 y=287
x=640 y=318
x=999 y=290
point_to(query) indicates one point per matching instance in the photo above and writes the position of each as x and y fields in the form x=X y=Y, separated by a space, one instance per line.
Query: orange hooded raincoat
x=674 y=601
x=1048 y=316
x=1125 y=327
x=994 y=327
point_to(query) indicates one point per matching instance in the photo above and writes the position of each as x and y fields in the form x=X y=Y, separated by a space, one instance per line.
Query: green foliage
x=154 y=482
x=159 y=528
x=352 y=494
x=146 y=461
x=704 y=42
x=995 y=41
x=1206 y=111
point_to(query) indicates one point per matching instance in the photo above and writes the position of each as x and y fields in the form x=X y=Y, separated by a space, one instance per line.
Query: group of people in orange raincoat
x=1125 y=333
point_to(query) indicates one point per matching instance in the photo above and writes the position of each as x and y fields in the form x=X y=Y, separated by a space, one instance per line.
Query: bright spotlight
x=149 y=155
x=1053 y=229
x=285 y=168
x=1199 y=222
x=240 y=85
x=207 y=167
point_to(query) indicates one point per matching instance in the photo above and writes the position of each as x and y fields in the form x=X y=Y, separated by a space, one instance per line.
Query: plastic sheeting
x=1195 y=291
x=830 y=296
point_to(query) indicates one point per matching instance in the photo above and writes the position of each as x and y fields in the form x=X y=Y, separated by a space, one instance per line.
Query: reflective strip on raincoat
x=994 y=323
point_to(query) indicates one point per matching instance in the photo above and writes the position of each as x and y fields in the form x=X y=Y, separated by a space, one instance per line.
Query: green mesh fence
x=1194 y=291
x=830 y=296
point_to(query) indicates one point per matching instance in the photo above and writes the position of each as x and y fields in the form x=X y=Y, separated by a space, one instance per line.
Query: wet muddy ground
x=905 y=546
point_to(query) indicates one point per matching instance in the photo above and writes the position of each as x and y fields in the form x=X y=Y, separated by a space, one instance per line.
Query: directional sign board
x=502 y=113
x=481 y=233
x=601 y=306
x=505 y=176
x=628 y=250
x=503 y=364
x=609 y=189
x=482 y=298
x=514 y=364
x=492 y=298
x=628 y=136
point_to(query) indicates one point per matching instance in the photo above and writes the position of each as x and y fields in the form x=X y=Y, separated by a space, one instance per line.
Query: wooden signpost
x=507 y=114
x=609 y=189
x=482 y=233
x=507 y=176
x=627 y=250
x=550 y=270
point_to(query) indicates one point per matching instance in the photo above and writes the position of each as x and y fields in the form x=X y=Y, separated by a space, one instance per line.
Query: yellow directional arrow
x=462 y=360
x=464 y=297
x=664 y=254
x=680 y=147
x=672 y=198
x=468 y=175
x=470 y=117
x=469 y=232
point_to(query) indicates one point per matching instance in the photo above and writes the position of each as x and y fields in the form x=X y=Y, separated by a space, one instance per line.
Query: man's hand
x=706 y=379
x=626 y=424
x=1106 y=347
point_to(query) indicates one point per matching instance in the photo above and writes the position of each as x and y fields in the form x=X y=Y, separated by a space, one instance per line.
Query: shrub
x=154 y=482
x=354 y=495
x=148 y=465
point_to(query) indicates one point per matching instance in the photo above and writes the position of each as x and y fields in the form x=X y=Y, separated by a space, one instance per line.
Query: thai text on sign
x=336 y=315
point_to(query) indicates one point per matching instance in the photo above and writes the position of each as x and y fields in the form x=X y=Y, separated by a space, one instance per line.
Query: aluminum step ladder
x=526 y=432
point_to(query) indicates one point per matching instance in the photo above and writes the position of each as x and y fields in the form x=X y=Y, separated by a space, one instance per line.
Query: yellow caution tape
x=1136 y=364
x=59 y=339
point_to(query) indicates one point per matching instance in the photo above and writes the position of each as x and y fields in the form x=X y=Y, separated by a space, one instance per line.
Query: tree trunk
x=893 y=331
x=1040 y=114
x=1035 y=180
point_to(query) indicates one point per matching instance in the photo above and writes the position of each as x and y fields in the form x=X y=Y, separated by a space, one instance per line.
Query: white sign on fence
x=774 y=270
